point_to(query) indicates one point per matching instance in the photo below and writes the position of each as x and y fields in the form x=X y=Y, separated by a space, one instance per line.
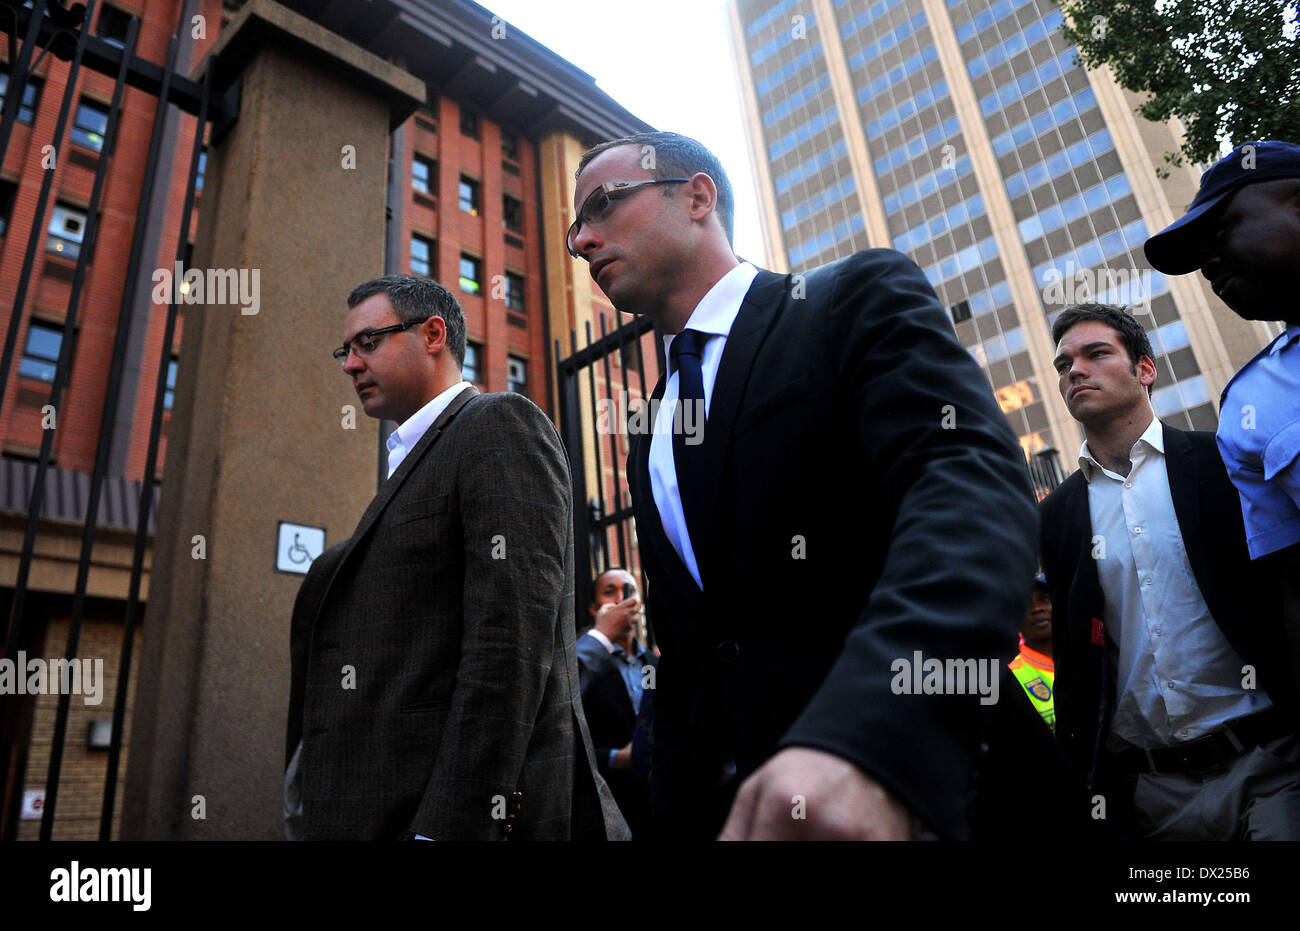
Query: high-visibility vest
x=1036 y=674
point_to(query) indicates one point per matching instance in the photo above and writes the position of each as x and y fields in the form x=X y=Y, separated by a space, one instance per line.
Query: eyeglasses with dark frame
x=365 y=343
x=598 y=202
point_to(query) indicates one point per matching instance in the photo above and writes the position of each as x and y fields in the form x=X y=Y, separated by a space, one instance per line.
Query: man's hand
x=623 y=758
x=627 y=615
x=805 y=794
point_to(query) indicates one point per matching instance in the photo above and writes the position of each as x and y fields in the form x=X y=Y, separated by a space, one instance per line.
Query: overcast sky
x=668 y=62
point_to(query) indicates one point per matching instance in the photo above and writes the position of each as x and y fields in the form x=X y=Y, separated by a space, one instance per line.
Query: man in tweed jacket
x=435 y=680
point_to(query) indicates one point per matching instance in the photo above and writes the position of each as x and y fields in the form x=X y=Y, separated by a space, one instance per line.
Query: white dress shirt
x=713 y=315
x=402 y=440
x=1179 y=678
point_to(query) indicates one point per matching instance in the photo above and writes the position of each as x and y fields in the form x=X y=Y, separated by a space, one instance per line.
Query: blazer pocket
x=425 y=704
x=763 y=410
x=419 y=509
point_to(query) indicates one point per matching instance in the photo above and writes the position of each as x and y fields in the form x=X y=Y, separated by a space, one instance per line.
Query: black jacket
x=868 y=500
x=612 y=722
x=1243 y=597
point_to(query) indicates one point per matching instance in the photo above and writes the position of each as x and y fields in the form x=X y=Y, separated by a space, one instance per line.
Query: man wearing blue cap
x=1243 y=232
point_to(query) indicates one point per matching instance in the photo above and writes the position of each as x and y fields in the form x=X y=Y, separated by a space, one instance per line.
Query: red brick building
x=480 y=196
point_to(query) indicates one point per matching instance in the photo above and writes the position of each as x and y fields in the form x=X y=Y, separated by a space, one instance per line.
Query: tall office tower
x=963 y=133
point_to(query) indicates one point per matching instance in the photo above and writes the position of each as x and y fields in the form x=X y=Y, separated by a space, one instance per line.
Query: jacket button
x=728 y=651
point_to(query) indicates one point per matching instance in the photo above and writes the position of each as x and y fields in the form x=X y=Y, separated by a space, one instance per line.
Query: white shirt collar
x=717 y=310
x=402 y=440
x=609 y=645
x=1153 y=436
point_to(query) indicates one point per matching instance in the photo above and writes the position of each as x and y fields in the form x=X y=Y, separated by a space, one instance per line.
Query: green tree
x=1229 y=69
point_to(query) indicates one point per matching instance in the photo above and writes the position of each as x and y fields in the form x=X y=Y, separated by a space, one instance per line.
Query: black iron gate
x=604 y=529
x=47 y=27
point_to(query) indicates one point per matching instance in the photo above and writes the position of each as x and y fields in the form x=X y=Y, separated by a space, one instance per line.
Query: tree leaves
x=1229 y=69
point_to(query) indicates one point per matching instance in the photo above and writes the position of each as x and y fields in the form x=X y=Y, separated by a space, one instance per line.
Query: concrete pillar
x=259 y=430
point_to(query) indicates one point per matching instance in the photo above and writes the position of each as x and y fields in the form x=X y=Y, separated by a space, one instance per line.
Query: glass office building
x=963 y=133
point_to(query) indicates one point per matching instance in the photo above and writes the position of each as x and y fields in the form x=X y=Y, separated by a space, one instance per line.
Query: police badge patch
x=1039 y=689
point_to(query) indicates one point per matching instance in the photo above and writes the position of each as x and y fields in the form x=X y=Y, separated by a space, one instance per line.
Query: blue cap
x=1179 y=248
x=1041 y=580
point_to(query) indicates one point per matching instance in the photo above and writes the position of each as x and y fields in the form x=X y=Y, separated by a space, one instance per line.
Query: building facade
x=963 y=133
x=479 y=198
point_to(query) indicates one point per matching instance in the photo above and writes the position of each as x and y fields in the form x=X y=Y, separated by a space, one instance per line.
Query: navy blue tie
x=688 y=458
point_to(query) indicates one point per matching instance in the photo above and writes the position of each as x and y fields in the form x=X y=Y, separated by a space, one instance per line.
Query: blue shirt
x=1259 y=440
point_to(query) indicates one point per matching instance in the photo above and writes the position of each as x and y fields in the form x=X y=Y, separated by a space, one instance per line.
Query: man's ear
x=1146 y=371
x=704 y=196
x=434 y=333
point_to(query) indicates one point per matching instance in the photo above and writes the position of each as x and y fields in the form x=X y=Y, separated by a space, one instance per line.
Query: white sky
x=668 y=62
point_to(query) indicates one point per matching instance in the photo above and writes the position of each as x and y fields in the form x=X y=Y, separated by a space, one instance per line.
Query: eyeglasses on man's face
x=598 y=203
x=365 y=342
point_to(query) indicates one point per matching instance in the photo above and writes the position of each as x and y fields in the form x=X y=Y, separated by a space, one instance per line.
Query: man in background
x=614 y=669
x=1170 y=683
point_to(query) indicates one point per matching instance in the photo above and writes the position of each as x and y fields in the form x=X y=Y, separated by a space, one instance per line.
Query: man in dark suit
x=435 y=681
x=855 y=501
x=615 y=669
x=1173 y=691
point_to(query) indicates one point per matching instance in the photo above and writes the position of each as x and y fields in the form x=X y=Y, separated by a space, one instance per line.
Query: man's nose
x=353 y=361
x=587 y=240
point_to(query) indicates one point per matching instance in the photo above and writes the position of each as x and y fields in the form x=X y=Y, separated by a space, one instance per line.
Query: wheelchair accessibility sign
x=298 y=545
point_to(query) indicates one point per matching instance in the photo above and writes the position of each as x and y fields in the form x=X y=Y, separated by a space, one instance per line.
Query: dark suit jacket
x=612 y=721
x=451 y=607
x=1244 y=598
x=867 y=500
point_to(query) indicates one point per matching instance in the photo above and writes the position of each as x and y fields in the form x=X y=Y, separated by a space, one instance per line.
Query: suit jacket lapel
x=1184 y=489
x=758 y=312
x=395 y=481
x=1088 y=581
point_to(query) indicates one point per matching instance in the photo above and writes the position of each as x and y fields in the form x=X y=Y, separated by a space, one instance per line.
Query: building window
x=469 y=123
x=424 y=175
x=517 y=375
x=91 y=125
x=509 y=145
x=961 y=312
x=515 y=291
x=30 y=93
x=41 y=355
x=8 y=193
x=112 y=25
x=67 y=231
x=471 y=274
x=422 y=255
x=512 y=214
x=470 y=193
x=470 y=370
x=170 y=394
x=203 y=168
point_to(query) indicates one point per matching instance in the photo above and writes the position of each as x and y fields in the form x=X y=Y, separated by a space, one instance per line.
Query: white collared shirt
x=1179 y=678
x=608 y=644
x=713 y=315
x=402 y=440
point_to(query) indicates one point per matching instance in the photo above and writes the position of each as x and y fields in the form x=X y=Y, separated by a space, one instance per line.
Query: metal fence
x=604 y=531
x=33 y=32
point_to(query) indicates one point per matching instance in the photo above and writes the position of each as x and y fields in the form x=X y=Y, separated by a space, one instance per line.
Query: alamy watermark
x=1130 y=286
x=933 y=676
x=38 y=676
x=179 y=285
x=624 y=414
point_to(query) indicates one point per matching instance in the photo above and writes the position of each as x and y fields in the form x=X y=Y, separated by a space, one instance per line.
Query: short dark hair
x=1131 y=335
x=414 y=298
x=676 y=155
